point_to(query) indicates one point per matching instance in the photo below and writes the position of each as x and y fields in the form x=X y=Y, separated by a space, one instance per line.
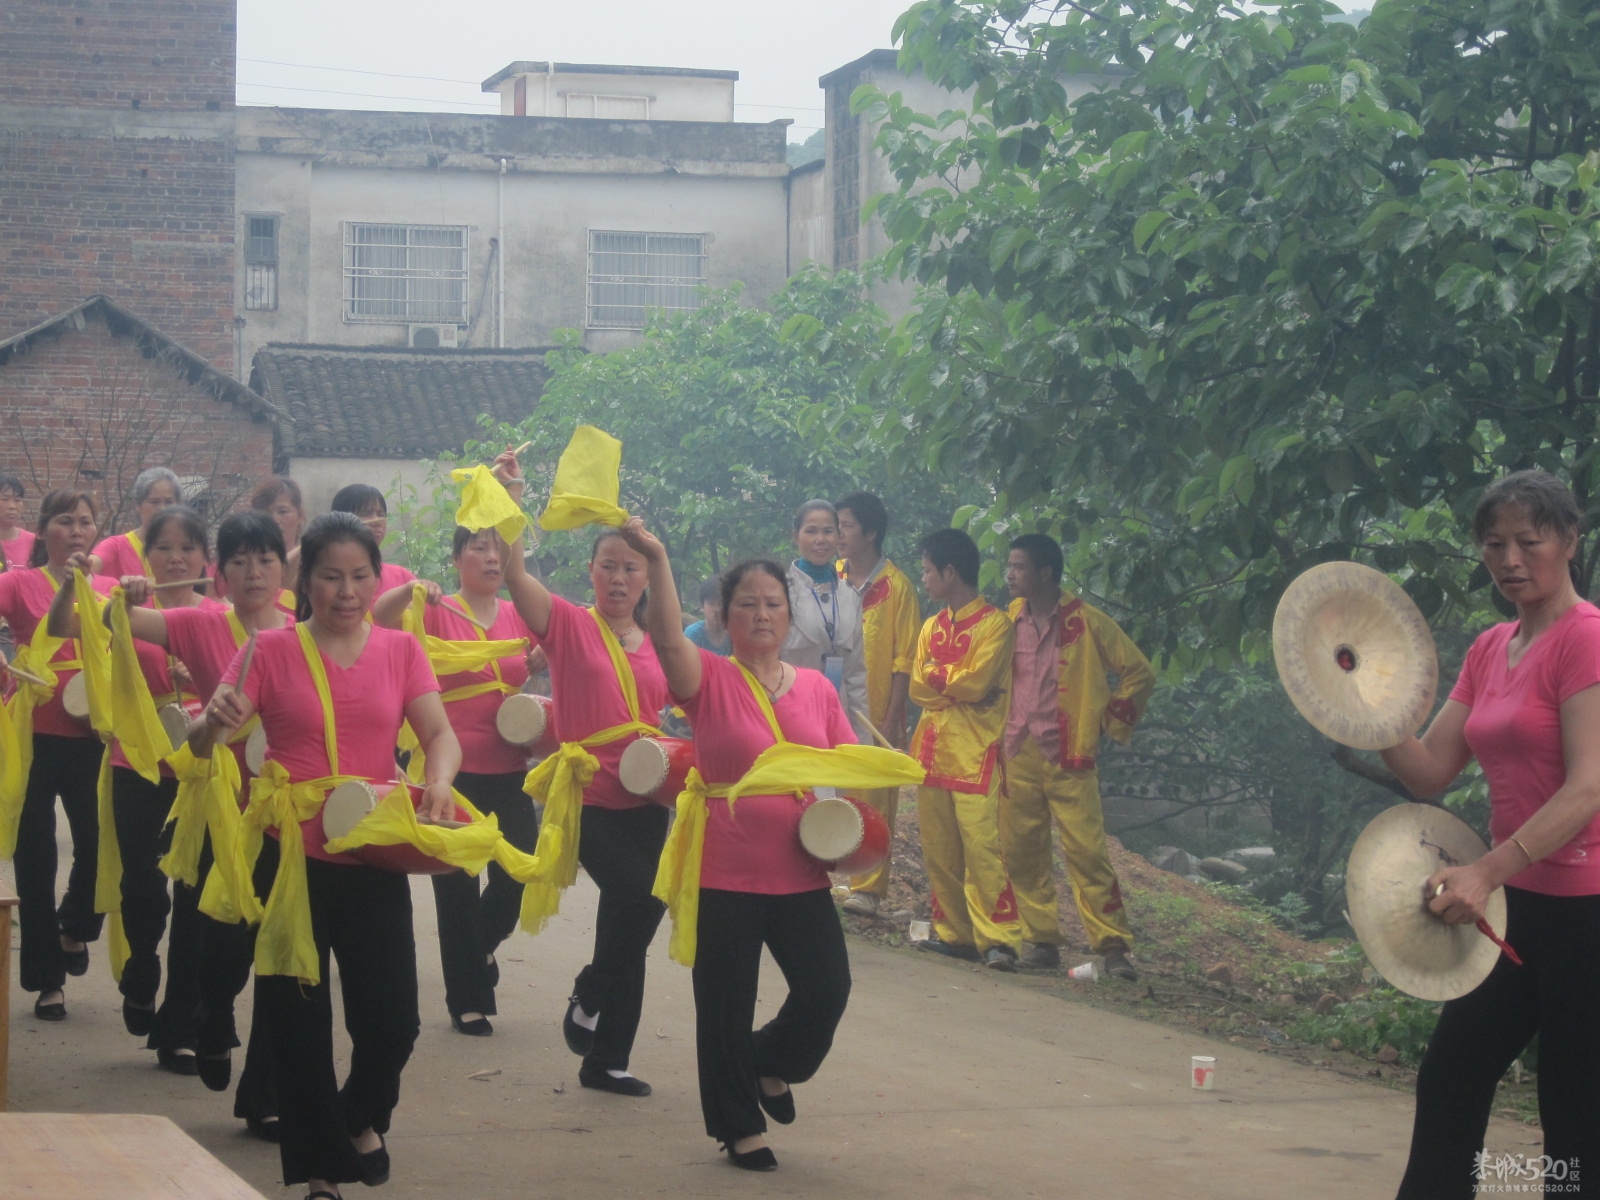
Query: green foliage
x=1366 y=1024
x=1217 y=294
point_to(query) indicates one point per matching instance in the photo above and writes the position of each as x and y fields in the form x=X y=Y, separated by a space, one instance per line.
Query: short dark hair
x=1043 y=551
x=249 y=533
x=193 y=526
x=463 y=535
x=265 y=493
x=811 y=506
x=952 y=548
x=869 y=513
x=734 y=576
x=326 y=531
x=711 y=589
x=1548 y=502
x=601 y=538
x=359 y=498
x=56 y=502
x=10 y=483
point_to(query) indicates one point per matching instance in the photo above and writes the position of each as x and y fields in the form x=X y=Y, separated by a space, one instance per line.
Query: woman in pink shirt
x=620 y=835
x=175 y=548
x=373 y=679
x=250 y=564
x=66 y=763
x=472 y=924
x=124 y=553
x=16 y=543
x=758 y=886
x=1527 y=708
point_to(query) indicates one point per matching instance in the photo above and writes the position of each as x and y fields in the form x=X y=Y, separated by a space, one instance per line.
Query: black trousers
x=473 y=924
x=620 y=849
x=1555 y=994
x=227 y=954
x=139 y=808
x=363 y=916
x=802 y=931
x=68 y=767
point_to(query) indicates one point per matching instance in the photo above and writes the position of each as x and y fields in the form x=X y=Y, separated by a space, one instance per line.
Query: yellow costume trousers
x=1039 y=792
x=876 y=882
x=973 y=904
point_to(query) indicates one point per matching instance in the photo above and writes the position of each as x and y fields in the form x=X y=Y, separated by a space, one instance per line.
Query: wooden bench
x=8 y=902
x=95 y=1156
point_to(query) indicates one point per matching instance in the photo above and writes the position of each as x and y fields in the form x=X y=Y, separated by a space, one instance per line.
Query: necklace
x=625 y=634
x=772 y=690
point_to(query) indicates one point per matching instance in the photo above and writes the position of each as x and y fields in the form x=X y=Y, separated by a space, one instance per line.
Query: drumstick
x=522 y=447
x=28 y=675
x=465 y=614
x=244 y=667
x=873 y=729
x=178 y=583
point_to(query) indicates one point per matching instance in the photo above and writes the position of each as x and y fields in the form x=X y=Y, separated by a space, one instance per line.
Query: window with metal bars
x=405 y=274
x=632 y=273
x=261 y=264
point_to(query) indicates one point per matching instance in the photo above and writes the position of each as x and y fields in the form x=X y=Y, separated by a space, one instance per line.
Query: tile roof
x=386 y=402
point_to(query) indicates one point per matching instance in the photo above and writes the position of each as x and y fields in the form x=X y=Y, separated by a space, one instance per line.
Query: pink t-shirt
x=202 y=639
x=1514 y=731
x=483 y=750
x=156 y=667
x=369 y=701
x=588 y=698
x=756 y=847
x=18 y=549
x=118 y=557
x=24 y=601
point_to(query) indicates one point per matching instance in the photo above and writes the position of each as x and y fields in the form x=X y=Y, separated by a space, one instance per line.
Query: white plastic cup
x=1088 y=971
x=1203 y=1073
x=921 y=931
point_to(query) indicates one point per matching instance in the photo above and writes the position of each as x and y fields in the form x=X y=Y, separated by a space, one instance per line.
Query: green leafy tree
x=1275 y=290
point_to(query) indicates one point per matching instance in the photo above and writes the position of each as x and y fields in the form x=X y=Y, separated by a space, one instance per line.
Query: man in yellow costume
x=961 y=679
x=1062 y=701
x=890 y=619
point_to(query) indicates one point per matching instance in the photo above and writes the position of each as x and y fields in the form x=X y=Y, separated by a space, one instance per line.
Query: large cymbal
x=1409 y=946
x=1355 y=655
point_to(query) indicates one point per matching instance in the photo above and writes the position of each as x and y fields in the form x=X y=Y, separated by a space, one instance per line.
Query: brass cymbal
x=1355 y=655
x=1409 y=946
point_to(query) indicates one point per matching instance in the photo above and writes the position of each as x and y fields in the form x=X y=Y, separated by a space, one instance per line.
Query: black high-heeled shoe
x=138 y=1019
x=76 y=961
x=375 y=1164
x=780 y=1107
x=215 y=1070
x=579 y=1040
x=50 y=1012
x=477 y=1027
x=760 y=1159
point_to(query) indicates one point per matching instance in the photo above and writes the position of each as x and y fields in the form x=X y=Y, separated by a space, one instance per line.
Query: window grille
x=632 y=273
x=261 y=264
x=405 y=273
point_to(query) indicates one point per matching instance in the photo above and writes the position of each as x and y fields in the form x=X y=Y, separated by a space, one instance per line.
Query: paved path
x=946 y=1081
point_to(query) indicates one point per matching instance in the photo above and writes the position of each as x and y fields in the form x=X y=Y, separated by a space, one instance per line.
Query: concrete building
x=438 y=230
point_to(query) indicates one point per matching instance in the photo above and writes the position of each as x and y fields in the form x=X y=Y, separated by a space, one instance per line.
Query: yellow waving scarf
x=781 y=767
x=16 y=728
x=558 y=784
x=586 y=486
x=485 y=504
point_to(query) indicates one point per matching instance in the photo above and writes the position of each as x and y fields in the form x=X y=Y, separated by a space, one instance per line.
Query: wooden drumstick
x=466 y=615
x=522 y=447
x=244 y=667
x=873 y=729
x=28 y=675
x=178 y=583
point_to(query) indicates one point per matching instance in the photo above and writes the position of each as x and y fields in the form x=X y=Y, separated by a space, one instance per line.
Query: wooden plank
x=91 y=1156
x=8 y=901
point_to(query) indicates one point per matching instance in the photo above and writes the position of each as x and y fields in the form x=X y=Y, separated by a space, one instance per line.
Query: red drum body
x=175 y=720
x=349 y=802
x=848 y=835
x=528 y=721
x=657 y=768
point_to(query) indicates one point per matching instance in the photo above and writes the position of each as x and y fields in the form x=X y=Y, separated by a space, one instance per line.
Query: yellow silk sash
x=558 y=784
x=16 y=727
x=485 y=504
x=587 y=483
x=781 y=767
x=108 y=872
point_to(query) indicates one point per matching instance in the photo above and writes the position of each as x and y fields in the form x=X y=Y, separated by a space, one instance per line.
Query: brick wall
x=169 y=54
x=85 y=408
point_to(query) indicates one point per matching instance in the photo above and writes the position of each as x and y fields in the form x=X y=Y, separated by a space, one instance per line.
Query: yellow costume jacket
x=890 y=618
x=962 y=682
x=1092 y=646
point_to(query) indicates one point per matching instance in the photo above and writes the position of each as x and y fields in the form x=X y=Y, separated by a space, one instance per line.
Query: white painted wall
x=321 y=478
x=672 y=96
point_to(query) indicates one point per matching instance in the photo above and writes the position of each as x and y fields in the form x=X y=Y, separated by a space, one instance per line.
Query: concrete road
x=945 y=1081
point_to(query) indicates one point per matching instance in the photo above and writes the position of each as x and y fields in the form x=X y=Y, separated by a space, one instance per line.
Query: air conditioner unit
x=432 y=337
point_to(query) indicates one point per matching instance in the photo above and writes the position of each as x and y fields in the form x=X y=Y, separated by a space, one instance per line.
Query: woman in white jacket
x=825 y=634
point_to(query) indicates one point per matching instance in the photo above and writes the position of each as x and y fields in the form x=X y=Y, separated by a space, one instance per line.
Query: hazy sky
x=414 y=56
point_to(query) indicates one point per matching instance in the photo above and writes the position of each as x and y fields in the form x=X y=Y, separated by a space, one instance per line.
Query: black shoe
x=759 y=1159
x=375 y=1164
x=604 y=1081
x=77 y=961
x=179 y=1062
x=1118 y=966
x=265 y=1128
x=579 y=1040
x=780 y=1107
x=137 y=1020
x=1000 y=958
x=950 y=949
x=477 y=1027
x=50 y=1012
x=215 y=1070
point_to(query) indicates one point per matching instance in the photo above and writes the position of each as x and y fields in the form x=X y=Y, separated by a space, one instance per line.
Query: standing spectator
x=708 y=633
